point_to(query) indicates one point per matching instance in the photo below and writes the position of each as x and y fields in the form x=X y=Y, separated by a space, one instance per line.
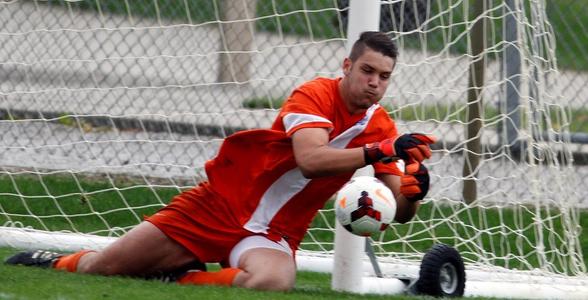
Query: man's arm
x=405 y=209
x=316 y=159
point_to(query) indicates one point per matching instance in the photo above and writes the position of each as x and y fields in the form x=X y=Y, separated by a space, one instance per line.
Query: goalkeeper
x=265 y=186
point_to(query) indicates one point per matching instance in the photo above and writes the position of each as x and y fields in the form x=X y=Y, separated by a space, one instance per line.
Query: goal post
x=109 y=108
x=348 y=249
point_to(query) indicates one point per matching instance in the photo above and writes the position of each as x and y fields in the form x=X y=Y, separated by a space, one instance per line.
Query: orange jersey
x=256 y=176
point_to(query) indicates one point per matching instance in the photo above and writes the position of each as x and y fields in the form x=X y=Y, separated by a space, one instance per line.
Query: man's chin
x=368 y=103
x=364 y=104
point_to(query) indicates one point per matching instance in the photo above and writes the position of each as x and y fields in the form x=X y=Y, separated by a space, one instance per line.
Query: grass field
x=32 y=283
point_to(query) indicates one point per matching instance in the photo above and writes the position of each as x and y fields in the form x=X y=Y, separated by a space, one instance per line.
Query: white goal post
x=108 y=108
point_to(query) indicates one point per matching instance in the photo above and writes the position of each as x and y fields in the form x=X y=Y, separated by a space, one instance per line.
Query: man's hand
x=412 y=147
x=415 y=185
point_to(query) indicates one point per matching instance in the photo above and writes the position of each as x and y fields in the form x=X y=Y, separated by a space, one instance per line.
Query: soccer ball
x=365 y=206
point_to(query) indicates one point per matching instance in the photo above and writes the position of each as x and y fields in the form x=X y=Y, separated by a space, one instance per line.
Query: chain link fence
x=92 y=79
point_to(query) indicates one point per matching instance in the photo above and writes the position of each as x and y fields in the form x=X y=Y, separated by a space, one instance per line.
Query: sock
x=223 y=277
x=70 y=262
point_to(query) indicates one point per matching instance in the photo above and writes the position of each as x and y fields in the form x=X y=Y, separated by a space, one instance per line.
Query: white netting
x=109 y=108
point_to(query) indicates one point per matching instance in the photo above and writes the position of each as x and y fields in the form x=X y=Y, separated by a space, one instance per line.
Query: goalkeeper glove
x=408 y=147
x=415 y=185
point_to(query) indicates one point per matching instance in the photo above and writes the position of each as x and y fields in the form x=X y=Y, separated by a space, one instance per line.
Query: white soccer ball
x=365 y=206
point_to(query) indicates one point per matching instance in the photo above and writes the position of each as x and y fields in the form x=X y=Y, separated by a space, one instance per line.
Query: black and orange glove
x=412 y=147
x=414 y=185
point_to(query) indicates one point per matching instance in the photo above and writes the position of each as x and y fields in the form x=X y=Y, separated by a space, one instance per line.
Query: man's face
x=366 y=79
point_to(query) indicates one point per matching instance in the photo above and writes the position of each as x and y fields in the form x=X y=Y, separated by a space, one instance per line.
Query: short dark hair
x=375 y=40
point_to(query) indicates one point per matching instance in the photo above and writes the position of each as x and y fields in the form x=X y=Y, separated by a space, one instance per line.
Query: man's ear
x=347 y=66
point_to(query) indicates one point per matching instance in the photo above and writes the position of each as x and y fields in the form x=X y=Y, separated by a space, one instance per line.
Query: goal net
x=109 y=108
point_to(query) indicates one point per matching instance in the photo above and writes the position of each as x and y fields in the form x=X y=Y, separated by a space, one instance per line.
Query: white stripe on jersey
x=341 y=141
x=292 y=182
x=275 y=198
x=292 y=120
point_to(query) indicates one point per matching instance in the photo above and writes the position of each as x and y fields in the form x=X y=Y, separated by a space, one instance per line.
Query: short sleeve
x=307 y=107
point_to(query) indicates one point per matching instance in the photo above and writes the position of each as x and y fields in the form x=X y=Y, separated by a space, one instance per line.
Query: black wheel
x=442 y=273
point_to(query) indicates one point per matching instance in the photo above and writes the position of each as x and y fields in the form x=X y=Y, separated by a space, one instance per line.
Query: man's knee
x=283 y=283
x=266 y=269
x=275 y=278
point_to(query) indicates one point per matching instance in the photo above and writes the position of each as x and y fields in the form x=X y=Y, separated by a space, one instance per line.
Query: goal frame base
x=497 y=282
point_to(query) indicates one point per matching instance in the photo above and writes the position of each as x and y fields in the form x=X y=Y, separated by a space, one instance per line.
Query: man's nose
x=373 y=81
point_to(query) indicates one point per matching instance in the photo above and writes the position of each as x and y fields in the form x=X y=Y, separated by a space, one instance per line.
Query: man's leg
x=143 y=251
x=266 y=269
x=256 y=262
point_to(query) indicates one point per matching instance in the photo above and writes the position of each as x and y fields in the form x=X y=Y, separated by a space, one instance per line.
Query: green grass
x=29 y=283
x=90 y=204
x=287 y=17
x=32 y=283
x=569 y=19
x=579 y=121
x=197 y=11
x=263 y=103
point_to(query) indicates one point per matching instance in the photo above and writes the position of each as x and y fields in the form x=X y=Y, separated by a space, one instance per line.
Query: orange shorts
x=200 y=220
